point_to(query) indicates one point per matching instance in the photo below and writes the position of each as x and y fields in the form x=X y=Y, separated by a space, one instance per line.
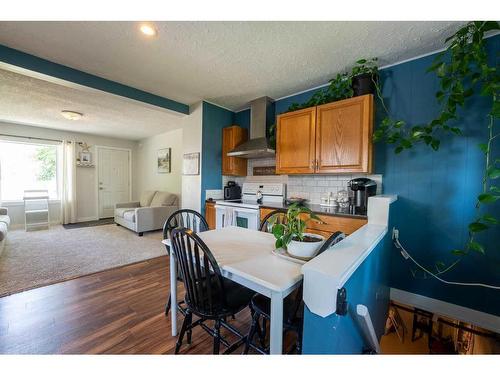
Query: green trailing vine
x=462 y=70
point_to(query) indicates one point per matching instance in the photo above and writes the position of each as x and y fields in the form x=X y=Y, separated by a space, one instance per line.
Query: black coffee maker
x=232 y=191
x=360 y=189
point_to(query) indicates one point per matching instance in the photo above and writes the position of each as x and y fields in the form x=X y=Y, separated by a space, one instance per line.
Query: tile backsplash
x=311 y=187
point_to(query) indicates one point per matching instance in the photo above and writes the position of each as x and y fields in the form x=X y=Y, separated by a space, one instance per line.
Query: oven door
x=236 y=216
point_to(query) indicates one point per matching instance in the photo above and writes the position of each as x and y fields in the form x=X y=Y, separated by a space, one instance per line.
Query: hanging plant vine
x=462 y=68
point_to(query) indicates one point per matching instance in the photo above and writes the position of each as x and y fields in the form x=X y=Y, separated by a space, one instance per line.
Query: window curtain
x=0 y=182
x=68 y=198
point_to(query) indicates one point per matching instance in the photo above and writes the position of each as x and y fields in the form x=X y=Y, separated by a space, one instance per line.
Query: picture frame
x=85 y=158
x=191 y=164
x=164 y=162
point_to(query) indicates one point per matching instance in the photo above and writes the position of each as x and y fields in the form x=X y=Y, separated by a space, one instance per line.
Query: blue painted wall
x=242 y=118
x=338 y=334
x=214 y=120
x=436 y=193
x=437 y=190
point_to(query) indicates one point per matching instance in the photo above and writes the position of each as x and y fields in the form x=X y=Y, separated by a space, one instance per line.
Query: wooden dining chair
x=209 y=295
x=293 y=308
x=184 y=218
x=273 y=217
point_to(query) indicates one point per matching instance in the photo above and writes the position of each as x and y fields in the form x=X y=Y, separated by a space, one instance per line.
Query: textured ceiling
x=228 y=63
x=36 y=102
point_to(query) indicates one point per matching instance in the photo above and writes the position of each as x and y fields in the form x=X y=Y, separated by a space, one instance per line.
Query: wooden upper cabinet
x=231 y=137
x=344 y=136
x=296 y=142
x=331 y=138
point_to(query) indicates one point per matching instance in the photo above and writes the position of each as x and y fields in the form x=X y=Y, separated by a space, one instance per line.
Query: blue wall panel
x=214 y=119
x=242 y=119
x=436 y=190
x=368 y=285
x=436 y=201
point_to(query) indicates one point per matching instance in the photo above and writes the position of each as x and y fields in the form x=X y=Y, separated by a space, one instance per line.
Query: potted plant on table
x=364 y=77
x=291 y=234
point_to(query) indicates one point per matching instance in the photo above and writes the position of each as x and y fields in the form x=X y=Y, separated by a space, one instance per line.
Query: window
x=27 y=166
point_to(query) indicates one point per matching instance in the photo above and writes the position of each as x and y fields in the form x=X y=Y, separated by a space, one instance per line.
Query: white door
x=113 y=179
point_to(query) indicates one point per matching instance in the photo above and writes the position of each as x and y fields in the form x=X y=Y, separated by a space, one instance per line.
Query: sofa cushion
x=147 y=197
x=120 y=212
x=3 y=231
x=163 y=198
x=5 y=219
x=129 y=216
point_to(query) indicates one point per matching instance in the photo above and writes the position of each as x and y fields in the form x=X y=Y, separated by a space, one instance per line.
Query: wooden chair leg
x=183 y=331
x=251 y=334
x=299 y=342
x=217 y=337
x=168 y=305
x=262 y=332
x=189 y=329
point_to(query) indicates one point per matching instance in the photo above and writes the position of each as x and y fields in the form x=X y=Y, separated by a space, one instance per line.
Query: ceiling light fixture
x=148 y=30
x=72 y=115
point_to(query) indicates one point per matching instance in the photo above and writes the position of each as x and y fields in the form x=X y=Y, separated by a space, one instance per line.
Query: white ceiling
x=228 y=63
x=31 y=101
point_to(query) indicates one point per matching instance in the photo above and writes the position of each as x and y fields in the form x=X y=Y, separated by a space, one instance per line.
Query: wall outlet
x=395 y=234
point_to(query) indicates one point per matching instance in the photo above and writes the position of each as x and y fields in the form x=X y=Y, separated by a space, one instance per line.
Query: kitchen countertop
x=318 y=209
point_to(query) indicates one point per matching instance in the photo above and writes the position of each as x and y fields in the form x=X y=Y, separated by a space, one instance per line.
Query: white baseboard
x=21 y=226
x=89 y=218
x=450 y=310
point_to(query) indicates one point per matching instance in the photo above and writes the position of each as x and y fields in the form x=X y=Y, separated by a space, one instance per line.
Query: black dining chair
x=273 y=217
x=184 y=218
x=293 y=308
x=209 y=295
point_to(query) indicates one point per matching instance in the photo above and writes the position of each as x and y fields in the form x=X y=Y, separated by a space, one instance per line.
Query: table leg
x=173 y=294
x=276 y=344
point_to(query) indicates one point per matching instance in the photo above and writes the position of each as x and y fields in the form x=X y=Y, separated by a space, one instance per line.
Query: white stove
x=245 y=212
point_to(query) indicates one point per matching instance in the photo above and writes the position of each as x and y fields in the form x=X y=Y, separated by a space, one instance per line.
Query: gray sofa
x=149 y=213
x=4 y=227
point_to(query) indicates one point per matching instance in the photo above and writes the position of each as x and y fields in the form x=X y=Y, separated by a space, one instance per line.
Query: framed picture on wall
x=164 y=162
x=85 y=158
x=191 y=164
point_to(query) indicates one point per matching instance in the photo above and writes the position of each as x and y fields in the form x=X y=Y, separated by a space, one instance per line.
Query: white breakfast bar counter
x=245 y=256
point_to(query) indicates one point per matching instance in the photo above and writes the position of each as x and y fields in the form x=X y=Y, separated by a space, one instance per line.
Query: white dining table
x=245 y=257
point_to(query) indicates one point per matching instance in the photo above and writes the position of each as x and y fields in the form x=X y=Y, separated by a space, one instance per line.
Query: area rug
x=93 y=223
x=37 y=258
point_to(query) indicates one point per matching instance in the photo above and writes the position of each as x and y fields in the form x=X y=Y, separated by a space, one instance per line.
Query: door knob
x=101 y=188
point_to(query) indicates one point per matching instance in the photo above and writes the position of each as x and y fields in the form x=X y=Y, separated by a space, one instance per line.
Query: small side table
x=36 y=209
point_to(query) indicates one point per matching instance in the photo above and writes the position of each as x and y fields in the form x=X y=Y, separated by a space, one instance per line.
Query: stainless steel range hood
x=261 y=113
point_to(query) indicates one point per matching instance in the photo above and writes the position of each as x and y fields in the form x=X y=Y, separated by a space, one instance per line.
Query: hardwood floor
x=115 y=311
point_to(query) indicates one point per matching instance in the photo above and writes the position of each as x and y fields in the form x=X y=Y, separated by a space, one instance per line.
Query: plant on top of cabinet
x=364 y=77
x=361 y=80
x=233 y=136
